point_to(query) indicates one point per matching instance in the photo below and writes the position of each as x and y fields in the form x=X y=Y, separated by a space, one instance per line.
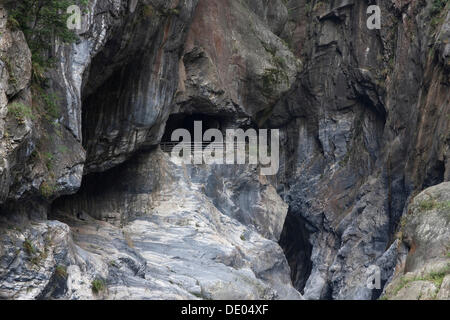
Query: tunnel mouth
x=295 y=243
x=187 y=121
x=208 y=121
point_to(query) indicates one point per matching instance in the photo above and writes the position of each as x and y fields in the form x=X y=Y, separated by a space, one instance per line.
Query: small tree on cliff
x=42 y=21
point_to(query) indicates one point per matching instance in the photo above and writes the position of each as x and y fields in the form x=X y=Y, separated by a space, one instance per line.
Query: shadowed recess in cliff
x=187 y=121
x=129 y=89
x=205 y=122
x=295 y=243
x=149 y=214
x=100 y=193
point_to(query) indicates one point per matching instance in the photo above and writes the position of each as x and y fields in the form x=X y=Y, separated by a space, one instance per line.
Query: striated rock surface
x=132 y=80
x=91 y=208
x=364 y=131
x=162 y=239
x=213 y=245
x=240 y=67
x=423 y=270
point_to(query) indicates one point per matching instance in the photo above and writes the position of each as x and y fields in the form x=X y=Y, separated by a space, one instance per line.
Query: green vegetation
x=403 y=222
x=280 y=61
x=343 y=162
x=427 y=205
x=399 y=234
x=319 y=5
x=12 y=77
x=35 y=255
x=28 y=247
x=148 y=11
x=20 y=112
x=432 y=204
x=437 y=13
x=437 y=7
x=271 y=78
x=63 y=149
x=46 y=104
x=47 y=189
x=61 y=272
x=98 y=285
x=170 y=12
x=41 y=21
x=444 y=205
x=401 y=285
x=48 y=159
x=51 y=105
x=436 y=277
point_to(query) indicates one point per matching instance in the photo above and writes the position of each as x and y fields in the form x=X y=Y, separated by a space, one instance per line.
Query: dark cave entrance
x=209 y=121
x=295 y=243
x=186 y=121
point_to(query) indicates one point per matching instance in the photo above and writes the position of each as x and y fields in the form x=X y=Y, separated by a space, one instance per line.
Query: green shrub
x=170 y=12
x=20 y=112
x=438 y=276
x=435 y=276
x=273 y=77
x=437 y=7
x=319 y=5
x=41 y=22
x=47 y=189
x=98 y=285
x=28 y=247
x=63 y=149
x=12 y=23
x=437 y=14
x=148 y=11
x=51 y=105
x=48 y=159
x=427 y=205
x=61 y=271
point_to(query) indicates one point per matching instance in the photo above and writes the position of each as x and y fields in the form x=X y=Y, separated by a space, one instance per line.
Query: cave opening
x=295 y=243
x=186 y=121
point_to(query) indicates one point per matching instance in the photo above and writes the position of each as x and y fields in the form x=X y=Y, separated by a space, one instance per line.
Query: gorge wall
x=91 y=207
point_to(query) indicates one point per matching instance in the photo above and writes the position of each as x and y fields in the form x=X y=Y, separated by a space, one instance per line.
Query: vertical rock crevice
x=362 y=130
x=297 y=248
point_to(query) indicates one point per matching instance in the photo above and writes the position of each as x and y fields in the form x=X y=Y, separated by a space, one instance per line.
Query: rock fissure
x=91 y=207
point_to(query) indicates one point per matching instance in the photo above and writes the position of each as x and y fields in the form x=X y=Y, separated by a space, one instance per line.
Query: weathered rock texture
x=150 y=230
x=161 y=223
x=364 y=127
x=423 y=272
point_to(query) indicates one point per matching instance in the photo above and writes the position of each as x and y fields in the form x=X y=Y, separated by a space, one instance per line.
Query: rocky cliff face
x=423 y=269
x=364 y=107
x=90 y=207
